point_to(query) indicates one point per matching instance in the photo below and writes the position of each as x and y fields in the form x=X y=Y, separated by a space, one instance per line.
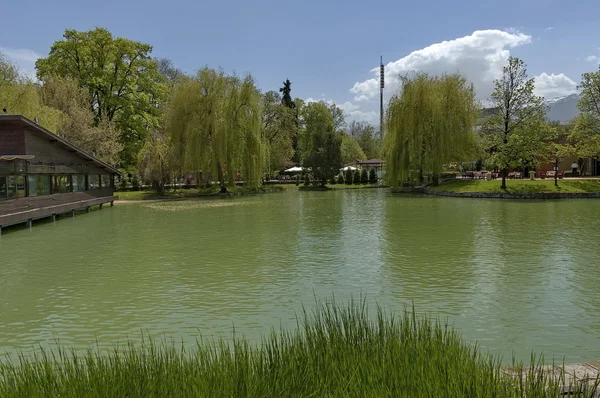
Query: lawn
x=337 y=351
x=519 y=186
x=193 y=193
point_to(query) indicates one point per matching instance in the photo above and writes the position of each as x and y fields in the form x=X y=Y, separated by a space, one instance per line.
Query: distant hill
x=562 y=109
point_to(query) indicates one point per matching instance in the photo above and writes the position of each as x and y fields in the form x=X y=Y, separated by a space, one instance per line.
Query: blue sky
x=328 y=49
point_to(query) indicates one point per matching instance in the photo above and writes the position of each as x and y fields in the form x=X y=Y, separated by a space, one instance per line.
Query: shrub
x=348 y=177
x=135 y=183
x=341 y=178
x=306 y=180
x=122 y=184
x=356 y=179
x=364 y=176
x=333 y=180
x=297 y=180
x=373 y=176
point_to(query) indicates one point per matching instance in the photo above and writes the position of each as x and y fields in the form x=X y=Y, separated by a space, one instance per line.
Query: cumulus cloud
x=553 y=85
x=23 y=58
x=479 y=56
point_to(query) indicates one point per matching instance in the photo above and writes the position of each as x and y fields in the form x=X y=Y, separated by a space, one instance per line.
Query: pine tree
x=348 y=177
x=373 y=176
x=356 y=177
x=364 y=176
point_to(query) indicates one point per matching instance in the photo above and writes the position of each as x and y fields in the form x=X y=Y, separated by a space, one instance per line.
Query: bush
x=297 y=180
x=306 y=180
x=135 y=183
x=373 y=176
x=333 y=180
x=122 y=184
x=356 y=177
x=364 y=176
x=348 y=177
x=341 y=178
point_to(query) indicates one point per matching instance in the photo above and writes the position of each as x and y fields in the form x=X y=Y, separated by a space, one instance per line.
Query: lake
x=514 y=276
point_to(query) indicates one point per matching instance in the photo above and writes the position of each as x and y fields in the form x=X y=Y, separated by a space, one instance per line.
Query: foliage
x=585 y=133
x=364 y=176
x=350 y=149
x=286 y=91
x=341 y=179
x=514 y=130
x=135 y=183
x=337 y=116
x=153 y=161
x=297 y=180
x=279 y=128
x=356 y=179
x=122 y=183
x=429 y=123
x=77 y=120
x=20 y=96
x=366 y=136
x=333 y=180
x=348 y=177
x=321 y=145
x=372 y=176
x=122 y=79
x=306 y=180
x=219 y=119
x=335 y=352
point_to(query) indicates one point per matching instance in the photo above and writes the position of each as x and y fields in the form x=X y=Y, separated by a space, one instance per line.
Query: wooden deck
x=570 y=377
x=28 y=215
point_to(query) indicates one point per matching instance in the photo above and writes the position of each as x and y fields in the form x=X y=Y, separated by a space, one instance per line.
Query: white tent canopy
x=348 y=168
x=294 y=169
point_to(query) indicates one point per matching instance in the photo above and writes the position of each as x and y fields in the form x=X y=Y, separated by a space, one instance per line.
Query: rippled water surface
x=515 y=276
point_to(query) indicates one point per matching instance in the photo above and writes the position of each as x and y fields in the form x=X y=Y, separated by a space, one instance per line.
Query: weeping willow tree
x=219 y=120
x=429 y=123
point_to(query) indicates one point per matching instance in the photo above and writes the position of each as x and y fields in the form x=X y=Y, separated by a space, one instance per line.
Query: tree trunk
x=504 y=172
x=556 y=173
x=221 y=178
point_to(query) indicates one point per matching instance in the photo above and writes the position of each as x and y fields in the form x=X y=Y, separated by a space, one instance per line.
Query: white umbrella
x=294 y=169
x=348 y=168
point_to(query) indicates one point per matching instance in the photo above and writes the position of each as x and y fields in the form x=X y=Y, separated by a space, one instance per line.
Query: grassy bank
x=336 y=352
x=519 y=186
x=193 y=193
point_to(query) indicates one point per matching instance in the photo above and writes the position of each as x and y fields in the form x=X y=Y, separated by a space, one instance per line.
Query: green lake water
x=515 y=276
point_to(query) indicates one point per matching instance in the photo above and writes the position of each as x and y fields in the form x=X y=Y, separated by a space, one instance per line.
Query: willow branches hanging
x=218 y=119
x=429 y=123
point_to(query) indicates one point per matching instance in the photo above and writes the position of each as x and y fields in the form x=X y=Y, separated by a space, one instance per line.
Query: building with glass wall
x=42 y=174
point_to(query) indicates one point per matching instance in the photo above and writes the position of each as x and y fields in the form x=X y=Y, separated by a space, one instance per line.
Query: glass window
x=3 y=187
x=78 y=183
x=106 y=181
x=61 y=184
x=20 y=186
x=38 y=185
x=93 y=181
x=12 y=186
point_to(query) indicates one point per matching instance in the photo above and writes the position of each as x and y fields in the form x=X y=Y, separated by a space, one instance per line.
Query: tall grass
x=336 y=351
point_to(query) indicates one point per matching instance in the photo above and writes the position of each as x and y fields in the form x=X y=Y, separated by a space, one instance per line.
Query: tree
x=321 y=146
x=153 y=161
x=279 y=126
x=77 y=120
x=349 y=177
x=372 y=176
x=364 y=176
x=585 y=133
x=220 y=119
x=513 y=127
x=350 y=149
x=366 y=136
x=122 y=79
x=337 y=115
x=286 y=91
x=20 y=96
x=430 y=122
x=356 y=179
x=555 y=145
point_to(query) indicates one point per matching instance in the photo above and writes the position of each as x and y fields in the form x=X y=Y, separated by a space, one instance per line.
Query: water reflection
x=516 y=276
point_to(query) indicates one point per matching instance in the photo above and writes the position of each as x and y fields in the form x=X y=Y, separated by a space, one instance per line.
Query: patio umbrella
x=294 y=169
x=348 y=168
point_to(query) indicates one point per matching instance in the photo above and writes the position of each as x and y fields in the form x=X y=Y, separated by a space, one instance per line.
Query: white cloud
x=351 y=110
x=593 y=58
x=553 y=85
x=479 y=56
x=23 y=58
x=549 y=29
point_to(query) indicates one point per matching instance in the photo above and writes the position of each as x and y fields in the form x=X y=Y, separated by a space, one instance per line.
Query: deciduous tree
x=121 y=77
x=513 y=127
